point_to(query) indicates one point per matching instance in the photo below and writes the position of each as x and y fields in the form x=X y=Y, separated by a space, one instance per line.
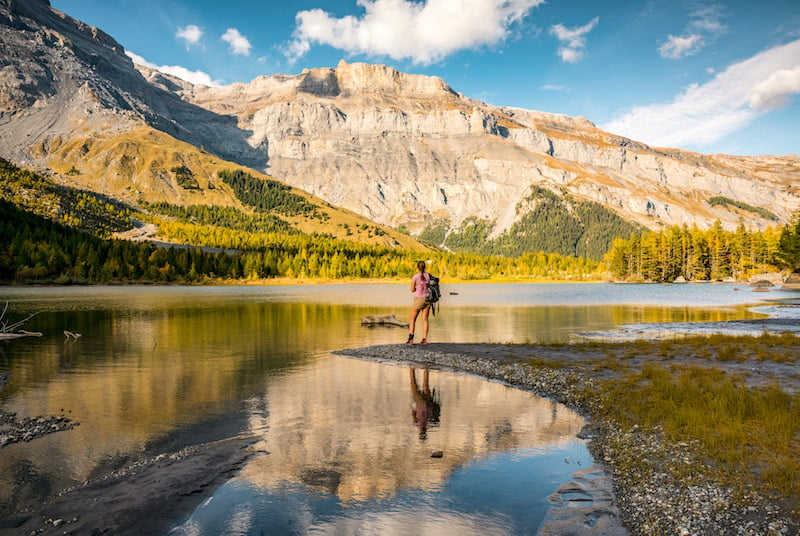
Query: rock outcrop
x=407 y=149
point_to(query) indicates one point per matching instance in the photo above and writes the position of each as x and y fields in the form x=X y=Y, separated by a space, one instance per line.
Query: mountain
x=72 y=104
x=403 y=150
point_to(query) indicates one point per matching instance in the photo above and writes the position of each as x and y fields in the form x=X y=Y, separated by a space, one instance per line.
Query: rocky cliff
x=401 y=149
x=407 y=149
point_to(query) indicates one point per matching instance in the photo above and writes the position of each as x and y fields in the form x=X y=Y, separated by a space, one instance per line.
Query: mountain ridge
x=403 y=150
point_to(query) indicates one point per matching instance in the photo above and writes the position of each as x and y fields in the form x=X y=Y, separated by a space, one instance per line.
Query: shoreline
x=631 y=489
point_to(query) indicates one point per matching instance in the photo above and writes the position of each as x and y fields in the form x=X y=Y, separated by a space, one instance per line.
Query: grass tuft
x=748 y=433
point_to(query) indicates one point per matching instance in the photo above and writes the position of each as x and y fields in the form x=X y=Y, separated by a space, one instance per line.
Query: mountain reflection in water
x=347 y=427
x=344 y=443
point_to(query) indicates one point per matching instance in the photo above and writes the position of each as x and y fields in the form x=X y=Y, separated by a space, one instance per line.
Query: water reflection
x=427 y=407
x=158 y=368
x=341 y=452
x=342 y=426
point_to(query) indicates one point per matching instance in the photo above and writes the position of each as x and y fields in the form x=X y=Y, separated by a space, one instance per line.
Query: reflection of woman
x=419 y=286
x=426 y=403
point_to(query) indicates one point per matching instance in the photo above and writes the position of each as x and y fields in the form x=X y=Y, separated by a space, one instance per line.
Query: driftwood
x=383 y=320
x=12 y=331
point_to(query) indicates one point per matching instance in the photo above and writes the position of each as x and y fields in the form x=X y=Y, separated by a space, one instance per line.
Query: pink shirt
x=420 y=280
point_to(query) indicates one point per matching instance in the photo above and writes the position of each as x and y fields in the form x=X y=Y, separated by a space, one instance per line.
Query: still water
x=344 y=445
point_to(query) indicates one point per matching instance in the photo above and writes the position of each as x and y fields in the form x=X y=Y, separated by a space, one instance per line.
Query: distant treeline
x=696 y=255
x=266 y=195
x=34 y=249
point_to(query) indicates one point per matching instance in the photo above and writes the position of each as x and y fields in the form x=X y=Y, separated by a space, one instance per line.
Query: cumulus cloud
x=424 y=32
x=776 y=91
x=190 y=34
x=573 y=40
x=704 y=113
x=239 y=44
x=677 y=47
x=704 y=23
x=195 y=77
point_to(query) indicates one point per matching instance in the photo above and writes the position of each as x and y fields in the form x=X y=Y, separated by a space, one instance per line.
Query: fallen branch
x=385 y=320
x=12 y=331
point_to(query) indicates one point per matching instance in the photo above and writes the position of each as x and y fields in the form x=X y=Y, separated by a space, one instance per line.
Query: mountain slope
x=403 y=150
x=72 y=102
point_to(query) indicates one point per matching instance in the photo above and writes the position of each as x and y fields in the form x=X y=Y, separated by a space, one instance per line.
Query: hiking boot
x=410 y=340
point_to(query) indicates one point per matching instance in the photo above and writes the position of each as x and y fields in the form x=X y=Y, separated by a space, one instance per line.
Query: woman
x=419 y=286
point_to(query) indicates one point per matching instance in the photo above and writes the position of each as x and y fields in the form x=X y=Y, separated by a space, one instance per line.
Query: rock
x=383 y=320
x=437 y=454
x=792 y=282
x=397 y=148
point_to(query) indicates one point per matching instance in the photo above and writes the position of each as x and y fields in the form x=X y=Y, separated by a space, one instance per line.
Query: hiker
x=419 y=286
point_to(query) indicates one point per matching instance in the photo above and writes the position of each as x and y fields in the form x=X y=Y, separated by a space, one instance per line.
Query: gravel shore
x=636 y=490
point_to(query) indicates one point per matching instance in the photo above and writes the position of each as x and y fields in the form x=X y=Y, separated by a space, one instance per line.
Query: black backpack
x=434 y=292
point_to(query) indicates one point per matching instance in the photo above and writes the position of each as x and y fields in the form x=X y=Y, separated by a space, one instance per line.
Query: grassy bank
x=732 y=402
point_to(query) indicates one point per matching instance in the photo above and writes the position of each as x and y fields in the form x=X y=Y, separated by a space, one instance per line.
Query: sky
x=712 y=77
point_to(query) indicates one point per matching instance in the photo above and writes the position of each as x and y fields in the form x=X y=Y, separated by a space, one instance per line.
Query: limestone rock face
x=406 y=149
x=61 y=78
x=401 y=149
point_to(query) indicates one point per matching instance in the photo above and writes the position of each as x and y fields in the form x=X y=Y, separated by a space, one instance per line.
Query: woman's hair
x=421 y=266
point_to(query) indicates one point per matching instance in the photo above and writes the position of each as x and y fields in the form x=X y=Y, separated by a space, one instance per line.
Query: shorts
x=420 y=304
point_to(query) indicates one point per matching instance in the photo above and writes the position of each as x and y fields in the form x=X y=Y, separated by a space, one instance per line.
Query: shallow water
x=159 y=368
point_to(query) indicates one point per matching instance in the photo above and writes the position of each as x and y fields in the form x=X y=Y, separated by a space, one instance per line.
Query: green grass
x=751 y=435
x=748 y=435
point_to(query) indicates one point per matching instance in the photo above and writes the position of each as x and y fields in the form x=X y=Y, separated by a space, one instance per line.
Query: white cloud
x=240 y=45
x=553 y=87
x=776 y=91
x=573 y=40
x=707 y=20
x=195 y=77
x=678 y=47
x=424 y=32
x=191 y=34
x=705 y=113
x=704 y=23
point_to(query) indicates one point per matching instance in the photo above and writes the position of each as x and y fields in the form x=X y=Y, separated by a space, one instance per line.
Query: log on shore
x=383 y=320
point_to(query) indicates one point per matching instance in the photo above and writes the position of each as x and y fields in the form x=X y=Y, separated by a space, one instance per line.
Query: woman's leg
x=425 y=312
x=412 y=320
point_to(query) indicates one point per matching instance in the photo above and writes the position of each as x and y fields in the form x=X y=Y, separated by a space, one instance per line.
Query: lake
x=344 y=446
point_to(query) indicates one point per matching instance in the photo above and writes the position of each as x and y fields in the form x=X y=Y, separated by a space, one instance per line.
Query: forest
x=547 y=222
x=54 y=234
x=701 y=255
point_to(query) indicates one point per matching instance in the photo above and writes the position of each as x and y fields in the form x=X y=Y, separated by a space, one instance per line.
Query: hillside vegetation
x=56 y=234
x=547 y=223
x=145 y=167
x=231 y=245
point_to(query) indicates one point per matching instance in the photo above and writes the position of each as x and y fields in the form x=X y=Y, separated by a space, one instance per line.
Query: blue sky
x=713 y=77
